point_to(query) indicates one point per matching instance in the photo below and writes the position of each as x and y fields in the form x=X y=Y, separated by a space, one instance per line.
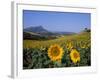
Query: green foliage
x=35 y=58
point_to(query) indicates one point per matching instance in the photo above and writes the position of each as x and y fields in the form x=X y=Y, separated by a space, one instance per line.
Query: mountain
x=39 y=33
x=37 y=29
x=42 y=31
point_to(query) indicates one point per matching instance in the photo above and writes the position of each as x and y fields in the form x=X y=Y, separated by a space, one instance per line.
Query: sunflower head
x=69 y=45
x=75 y=56
x=83 y=46
x=55 y=52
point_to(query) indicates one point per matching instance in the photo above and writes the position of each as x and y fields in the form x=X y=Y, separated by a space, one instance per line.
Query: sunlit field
x=64 y=51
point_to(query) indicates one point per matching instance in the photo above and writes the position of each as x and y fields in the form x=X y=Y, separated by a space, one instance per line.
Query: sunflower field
x=66 y=51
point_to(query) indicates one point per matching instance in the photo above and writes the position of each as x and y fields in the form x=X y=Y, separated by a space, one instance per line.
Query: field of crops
x=66 y=51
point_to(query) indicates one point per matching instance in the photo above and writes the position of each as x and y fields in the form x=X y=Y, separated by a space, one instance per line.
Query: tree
x=86 y=30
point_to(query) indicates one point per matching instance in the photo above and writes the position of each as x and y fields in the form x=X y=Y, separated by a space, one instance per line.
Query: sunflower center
x=76 y=55
x=55 y=51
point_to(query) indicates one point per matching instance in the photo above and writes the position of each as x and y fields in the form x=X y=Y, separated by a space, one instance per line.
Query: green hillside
x=61 y=40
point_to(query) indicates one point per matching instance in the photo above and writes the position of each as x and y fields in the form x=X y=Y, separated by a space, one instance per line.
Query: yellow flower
x=69 y=45
x=55 y=52
x=83 y=46
x=42 y=48
x=75 y=56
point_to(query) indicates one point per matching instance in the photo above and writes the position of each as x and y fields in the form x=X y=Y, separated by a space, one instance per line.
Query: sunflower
x=75 y=56
x=83 y=46
x=69 y=45
x=55 y=52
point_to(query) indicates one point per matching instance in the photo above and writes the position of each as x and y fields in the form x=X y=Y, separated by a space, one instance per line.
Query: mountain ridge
x=36 y=29
x=39 y=32
x=41 y=29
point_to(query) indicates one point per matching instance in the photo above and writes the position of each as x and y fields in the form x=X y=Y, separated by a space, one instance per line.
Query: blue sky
x=57 y=21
